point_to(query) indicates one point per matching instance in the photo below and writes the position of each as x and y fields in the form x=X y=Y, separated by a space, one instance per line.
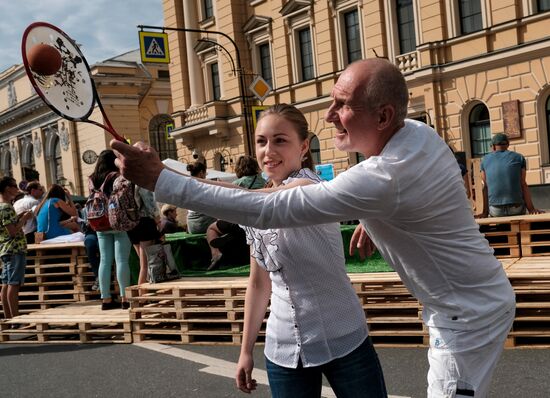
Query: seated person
x=221 y=233
x=56 y=205
x=168 y=222
x=197 y=223
x=35 y=191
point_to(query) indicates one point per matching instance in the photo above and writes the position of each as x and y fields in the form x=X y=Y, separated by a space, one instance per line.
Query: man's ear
x=386 y=116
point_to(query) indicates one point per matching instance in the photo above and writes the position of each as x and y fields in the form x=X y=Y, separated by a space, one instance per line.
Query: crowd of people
x=32 y=215
x=412 y=201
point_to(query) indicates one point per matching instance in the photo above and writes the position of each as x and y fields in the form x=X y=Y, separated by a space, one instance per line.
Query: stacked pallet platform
x=535 y=235
x=503 y=235
x=393 y=314
x=49 y=277
x=530 y=278
x=57 y=274
x=75 y=323
x=189 y=310
x=211 y=310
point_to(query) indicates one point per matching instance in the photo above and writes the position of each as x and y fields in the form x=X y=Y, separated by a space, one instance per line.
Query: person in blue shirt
x=52 y=213
x=505 y=190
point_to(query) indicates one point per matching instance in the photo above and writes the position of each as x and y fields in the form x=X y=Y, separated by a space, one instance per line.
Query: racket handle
x=116 y=136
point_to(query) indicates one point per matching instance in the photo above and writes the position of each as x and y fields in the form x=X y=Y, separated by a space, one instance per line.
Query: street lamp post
x=239 y=71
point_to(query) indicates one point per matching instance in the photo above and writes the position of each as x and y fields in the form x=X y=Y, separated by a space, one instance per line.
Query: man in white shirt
x=34 y=194
x=410 y=198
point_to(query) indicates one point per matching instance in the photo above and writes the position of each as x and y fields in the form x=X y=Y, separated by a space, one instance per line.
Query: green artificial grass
x=192 y=256
x=373 y=264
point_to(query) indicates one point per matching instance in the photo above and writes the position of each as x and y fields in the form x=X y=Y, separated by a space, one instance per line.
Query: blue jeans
x=13 y=269
x=505 y=211
x=113 y=245
x=92 y=251
x=356 y=375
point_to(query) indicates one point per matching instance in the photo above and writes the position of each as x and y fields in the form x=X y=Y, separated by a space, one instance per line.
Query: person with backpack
x=112 y=244
x=146 y=232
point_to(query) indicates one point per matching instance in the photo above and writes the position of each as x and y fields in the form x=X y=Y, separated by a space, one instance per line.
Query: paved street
x=64 y=371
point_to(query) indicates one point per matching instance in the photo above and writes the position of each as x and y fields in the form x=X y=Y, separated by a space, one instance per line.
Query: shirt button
x=287 y=288
x=292 y=306
x=295 y=326
x=299 y=345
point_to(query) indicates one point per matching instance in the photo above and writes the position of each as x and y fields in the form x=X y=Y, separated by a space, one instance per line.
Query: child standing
x=13 y=247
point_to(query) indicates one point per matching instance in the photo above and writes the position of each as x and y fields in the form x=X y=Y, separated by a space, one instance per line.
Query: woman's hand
x=361 y=242
x=243 y=378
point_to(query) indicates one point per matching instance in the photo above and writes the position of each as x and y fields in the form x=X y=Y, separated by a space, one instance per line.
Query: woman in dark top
x=197 y=223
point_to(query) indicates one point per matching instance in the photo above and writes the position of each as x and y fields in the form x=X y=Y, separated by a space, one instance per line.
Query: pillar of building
x=196 y=82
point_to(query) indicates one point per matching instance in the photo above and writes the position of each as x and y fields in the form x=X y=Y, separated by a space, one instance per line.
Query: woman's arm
x=68 y=208
x=256 y=301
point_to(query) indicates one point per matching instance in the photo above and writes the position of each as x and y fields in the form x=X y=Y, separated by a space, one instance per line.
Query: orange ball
x=44 y=59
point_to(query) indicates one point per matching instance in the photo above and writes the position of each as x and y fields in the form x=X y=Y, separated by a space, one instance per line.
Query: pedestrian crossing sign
x=154 y=47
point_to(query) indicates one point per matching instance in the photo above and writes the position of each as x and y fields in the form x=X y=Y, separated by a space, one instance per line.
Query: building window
x=480 y=131
x=220 y=162
x=405 y=26
x=208 y=9
x=7 y=170
x=470 y=16
x=58 y=176
x=215 y=80
x=160 y=139
x=257 y=31
x=315 y=149
x=543 y=5
x=306 y=54
x=265 y=63
x=353 y=36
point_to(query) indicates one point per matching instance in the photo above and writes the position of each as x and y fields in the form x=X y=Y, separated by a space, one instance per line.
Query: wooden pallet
x=191 y=311
x=49 y=277
x=57 y=274
x=199 y=311
x=535 y=235
x=502 y=233
x=530 y=278
x=75 y=323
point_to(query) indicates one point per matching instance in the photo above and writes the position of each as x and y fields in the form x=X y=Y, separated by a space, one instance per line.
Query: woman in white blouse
x=316 y=324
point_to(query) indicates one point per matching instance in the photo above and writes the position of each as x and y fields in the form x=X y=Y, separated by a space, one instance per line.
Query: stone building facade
x=474 y=68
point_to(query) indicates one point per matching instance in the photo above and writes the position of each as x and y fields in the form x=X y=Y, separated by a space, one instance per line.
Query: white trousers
x=462 y=362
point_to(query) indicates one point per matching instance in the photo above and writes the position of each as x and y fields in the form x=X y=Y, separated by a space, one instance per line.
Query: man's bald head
x=378 y=82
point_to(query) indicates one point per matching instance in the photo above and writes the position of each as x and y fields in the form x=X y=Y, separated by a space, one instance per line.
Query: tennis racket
x=71 y=91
